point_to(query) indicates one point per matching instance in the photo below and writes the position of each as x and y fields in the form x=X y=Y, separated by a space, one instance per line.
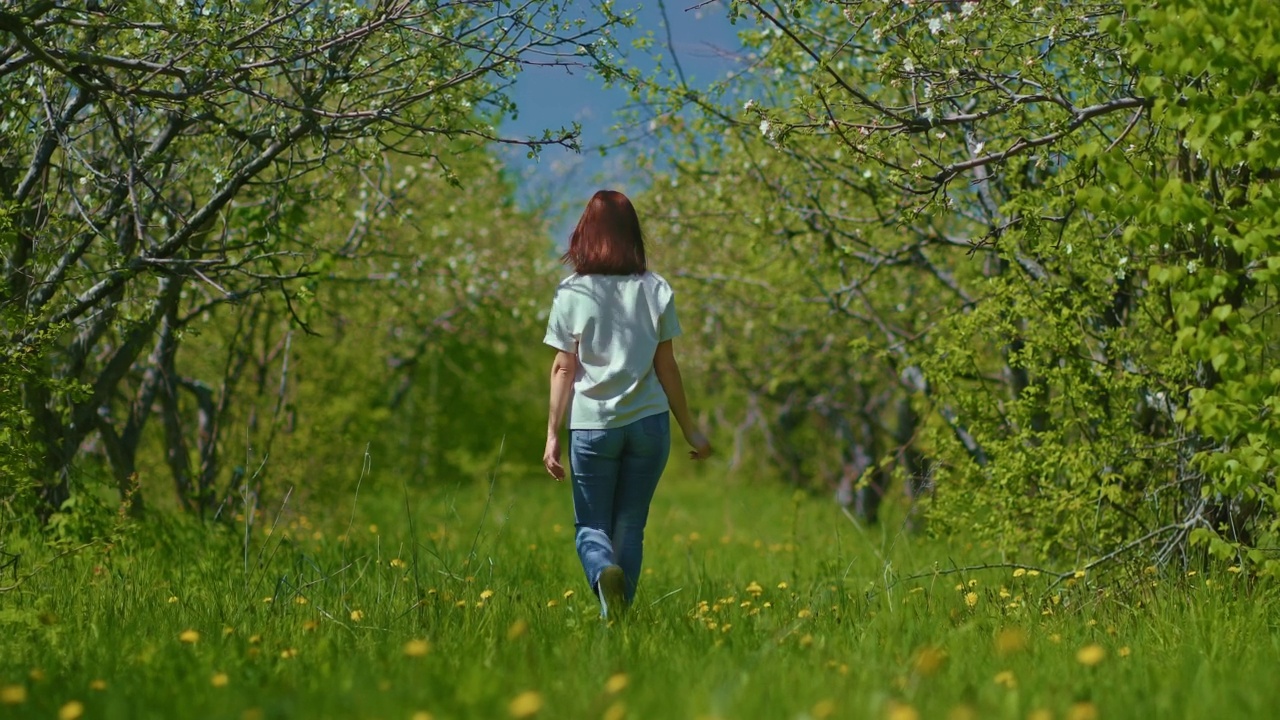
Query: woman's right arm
x=668 y=372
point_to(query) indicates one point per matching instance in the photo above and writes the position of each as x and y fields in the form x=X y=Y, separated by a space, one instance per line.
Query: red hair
x=607 y=240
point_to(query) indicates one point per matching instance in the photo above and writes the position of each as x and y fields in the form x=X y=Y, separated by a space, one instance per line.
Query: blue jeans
x=615 y=472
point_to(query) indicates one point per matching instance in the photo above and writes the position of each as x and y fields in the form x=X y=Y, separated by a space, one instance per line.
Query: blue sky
x=706 y=44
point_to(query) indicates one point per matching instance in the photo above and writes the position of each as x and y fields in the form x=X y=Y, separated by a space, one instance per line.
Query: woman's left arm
x=563 y=369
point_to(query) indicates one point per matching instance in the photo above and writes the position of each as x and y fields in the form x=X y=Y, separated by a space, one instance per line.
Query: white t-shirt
x=613 y=323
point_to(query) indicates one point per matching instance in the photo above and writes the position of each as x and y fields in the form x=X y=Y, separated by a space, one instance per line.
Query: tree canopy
x=1048 y=228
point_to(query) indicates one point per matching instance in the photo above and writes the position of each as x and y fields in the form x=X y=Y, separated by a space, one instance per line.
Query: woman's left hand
x=551 y=458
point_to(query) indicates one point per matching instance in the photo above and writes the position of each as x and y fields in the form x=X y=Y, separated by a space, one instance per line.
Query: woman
x=612 y=323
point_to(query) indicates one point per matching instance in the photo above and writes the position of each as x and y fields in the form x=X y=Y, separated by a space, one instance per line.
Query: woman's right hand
x=701 y=446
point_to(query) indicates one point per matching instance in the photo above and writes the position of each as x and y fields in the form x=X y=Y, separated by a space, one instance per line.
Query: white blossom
x=968 y=9
x=908 y=65
x=1192 y=266
x=765 y=127
x=935 y=26
x=746 y=106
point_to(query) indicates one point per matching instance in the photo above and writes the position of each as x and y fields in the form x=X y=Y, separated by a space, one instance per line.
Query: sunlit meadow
x=466 y=600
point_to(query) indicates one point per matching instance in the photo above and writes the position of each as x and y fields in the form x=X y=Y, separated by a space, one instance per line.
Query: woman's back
x=614 y=324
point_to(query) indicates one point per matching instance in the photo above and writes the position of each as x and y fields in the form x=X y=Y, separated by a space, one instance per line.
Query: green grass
x=826 y=629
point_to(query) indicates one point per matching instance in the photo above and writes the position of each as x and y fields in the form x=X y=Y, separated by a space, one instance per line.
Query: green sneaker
x=613 y=591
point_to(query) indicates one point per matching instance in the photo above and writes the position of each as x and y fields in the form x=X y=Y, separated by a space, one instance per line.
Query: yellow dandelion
x=962 y=712
x=1091 y=655
x=397 y=563
x=823 y=709
x=373 y=529
x=1019 y=572
x=1233 y=569
x=255 y=639
x=219 y=680
x=900 y=711
x=268 y=600
x=1010 y=640
x=12 y=694
x=616 y=711
x=98 y=685
x=971 y=599
x=486 y=594
x=754 y=588
x=1006 y=678
x=804 y=613
x=782 y=586
x=173 y=599
x=768 y=604
x=1033 y=573
x=616 y=683
x=189 y=636
x=460 y=603
x=1078 y=574
x=416 y=648
x=518 y=629
x=929 y=659
x=226 y=631
x=1083 y=711
x=300 y=600
x=552 y=603
x=36 y=675
x=289 y=653
x=806 y=641
x=525 y=705
x=71 y=711
x=568 y=594
x=357 y=615
x=1040 y=714
x=423 y=715
x=1124 y=651
x=1055 y=638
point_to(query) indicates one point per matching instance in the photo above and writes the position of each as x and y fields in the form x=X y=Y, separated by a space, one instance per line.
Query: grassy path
x=755 y=604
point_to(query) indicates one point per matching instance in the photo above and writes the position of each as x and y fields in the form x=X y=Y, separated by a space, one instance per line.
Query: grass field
x=755 y=603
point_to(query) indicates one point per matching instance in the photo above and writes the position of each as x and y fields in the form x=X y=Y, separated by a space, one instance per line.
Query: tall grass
x=468 y=602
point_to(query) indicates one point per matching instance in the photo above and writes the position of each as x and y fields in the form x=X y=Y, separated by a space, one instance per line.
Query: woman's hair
x=607 y=240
